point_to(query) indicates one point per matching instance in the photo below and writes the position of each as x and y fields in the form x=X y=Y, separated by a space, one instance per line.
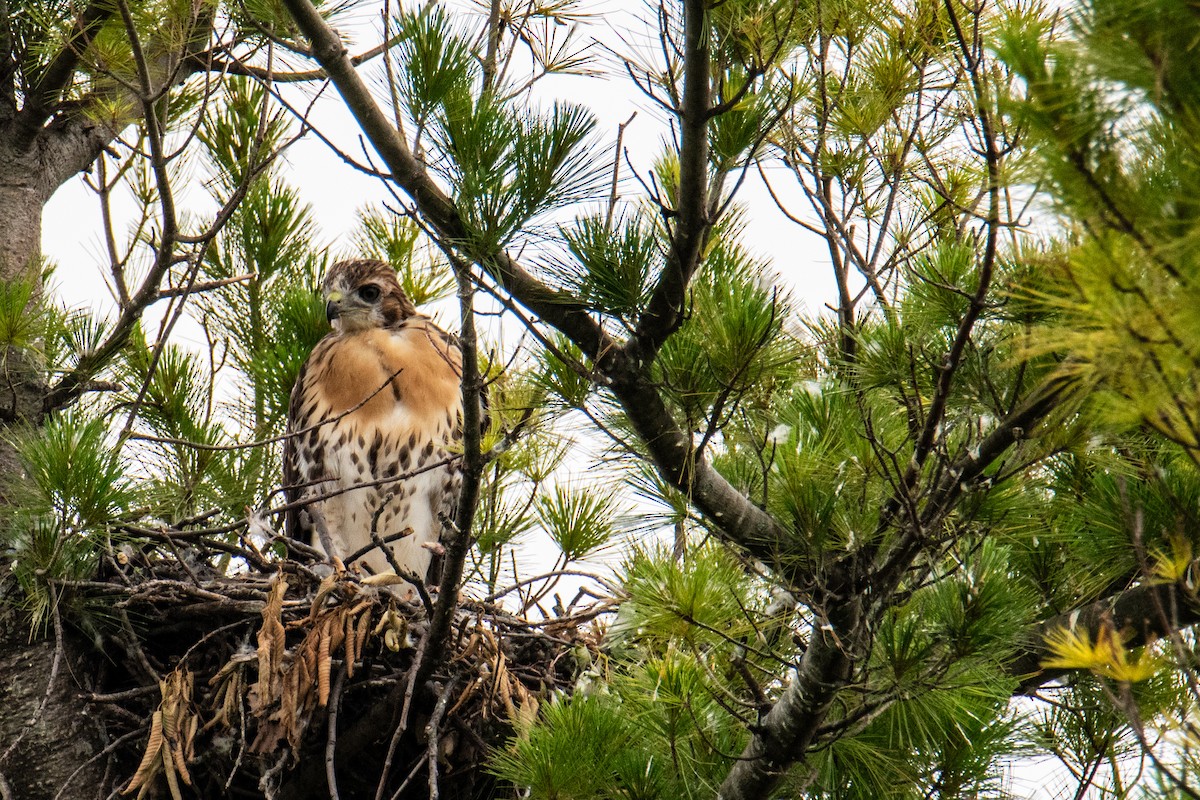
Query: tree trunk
x=43 y=748
x=21 y=197
x=22 y=383
x=25 y=186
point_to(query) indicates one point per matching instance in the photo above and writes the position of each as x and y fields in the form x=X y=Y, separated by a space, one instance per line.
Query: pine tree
x=879 y=552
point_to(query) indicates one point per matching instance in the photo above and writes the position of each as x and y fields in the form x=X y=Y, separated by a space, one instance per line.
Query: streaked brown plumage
x=380 y=345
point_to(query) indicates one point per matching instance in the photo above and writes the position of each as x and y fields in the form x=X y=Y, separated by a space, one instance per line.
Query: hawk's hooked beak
x=333 y=305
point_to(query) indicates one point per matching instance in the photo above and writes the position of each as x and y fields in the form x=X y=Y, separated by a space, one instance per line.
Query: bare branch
x=209 y=62
x=664 y=312
x=473 y=462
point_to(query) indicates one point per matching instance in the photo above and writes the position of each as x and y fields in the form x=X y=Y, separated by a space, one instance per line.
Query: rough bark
x=50 y=745
x=22 y=195
x=1141 y=615
x=784 y=735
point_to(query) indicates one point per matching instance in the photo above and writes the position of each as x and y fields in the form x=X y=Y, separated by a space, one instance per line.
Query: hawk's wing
x=296 y=525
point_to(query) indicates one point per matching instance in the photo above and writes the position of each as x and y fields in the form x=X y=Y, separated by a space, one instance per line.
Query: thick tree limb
x=786 y=732
x=46 y=92
x=1142 y=614
x=664 y=312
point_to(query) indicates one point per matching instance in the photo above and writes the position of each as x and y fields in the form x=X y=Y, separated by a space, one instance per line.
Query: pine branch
x=1142 y=614
x=665 y=311
x=47 y=90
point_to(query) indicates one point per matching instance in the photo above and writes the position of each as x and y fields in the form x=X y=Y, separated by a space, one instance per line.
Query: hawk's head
x=364 y=294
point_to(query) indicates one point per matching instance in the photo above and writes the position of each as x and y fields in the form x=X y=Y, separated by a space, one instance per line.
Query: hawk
x=378 y=398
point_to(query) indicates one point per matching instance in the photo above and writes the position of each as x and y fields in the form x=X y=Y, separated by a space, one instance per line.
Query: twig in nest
x=391 y=537
x=431 y=734
x=119 y=697
x=270 y=791
x=237 y=762
x=417 y=582
x=412 y=773
x=387 y=763
x=335 y=702
x=318 y=520
x=412 y=682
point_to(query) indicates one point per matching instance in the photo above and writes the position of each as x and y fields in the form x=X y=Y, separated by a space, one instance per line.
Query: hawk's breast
x=391 y=403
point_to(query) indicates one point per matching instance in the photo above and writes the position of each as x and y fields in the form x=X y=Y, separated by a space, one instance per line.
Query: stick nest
x=297 y=680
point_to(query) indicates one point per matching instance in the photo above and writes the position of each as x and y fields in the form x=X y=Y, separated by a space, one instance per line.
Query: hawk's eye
x=370 y=293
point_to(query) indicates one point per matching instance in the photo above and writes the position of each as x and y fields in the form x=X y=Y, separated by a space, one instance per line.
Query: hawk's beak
x=333 y=305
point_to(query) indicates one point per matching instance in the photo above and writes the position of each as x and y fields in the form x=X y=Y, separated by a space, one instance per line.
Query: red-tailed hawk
x=378 y=398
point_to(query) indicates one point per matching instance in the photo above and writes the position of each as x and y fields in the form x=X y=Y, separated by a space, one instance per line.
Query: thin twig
x=607 y=584
x=263 y=442
x=412 y=773
x=335 y=702
x=109 y=748
x=616 y=172
x=393 y=743
x=431 y=735
x=410 y=690
x=201 y=286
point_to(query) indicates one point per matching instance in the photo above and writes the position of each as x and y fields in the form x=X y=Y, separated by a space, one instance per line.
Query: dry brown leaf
x=271 y=644
x=527 y=713
x=328 y=584
x=351 y=644
x=169 y=771
x=151 y=759
x=324 y=665
x=502 y=686
x=178 y=723
x=336 y=630
x=389 y=578
x=173 y=727
x=291 y=702
x=363 y=634
x=227 y=697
